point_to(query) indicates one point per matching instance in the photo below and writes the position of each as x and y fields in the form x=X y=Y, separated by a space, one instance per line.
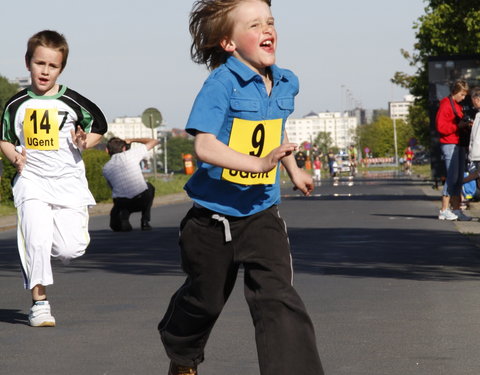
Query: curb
x=471 y=229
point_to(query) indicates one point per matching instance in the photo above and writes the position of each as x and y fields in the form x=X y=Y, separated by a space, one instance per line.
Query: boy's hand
x=20 y=160
x=271 y=160
x=79 y=138
x=303 y=181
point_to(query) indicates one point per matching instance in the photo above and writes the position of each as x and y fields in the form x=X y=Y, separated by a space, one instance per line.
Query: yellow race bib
x=40 y=129
x=257 y=138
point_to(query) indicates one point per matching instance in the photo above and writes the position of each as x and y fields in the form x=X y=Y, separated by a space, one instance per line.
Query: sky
x=128 y=56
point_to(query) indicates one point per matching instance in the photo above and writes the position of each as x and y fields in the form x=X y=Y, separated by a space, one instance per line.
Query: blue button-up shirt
x=231 y=93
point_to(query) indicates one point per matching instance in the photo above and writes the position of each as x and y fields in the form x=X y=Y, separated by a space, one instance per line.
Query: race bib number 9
x=40 y=128
x=255 y=138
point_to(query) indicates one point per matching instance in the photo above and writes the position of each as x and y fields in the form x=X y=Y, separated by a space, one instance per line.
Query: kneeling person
x=130 y=191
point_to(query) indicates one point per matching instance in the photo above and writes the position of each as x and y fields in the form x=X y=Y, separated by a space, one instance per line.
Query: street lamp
x=392 y=115
x=395 y=140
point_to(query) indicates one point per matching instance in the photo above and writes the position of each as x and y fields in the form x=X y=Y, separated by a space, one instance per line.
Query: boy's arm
x=210 y=150
x=16 y=158
x=301 y=179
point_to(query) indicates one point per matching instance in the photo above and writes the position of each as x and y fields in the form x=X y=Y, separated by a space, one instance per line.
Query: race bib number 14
x=255 y=138
x=40 y=128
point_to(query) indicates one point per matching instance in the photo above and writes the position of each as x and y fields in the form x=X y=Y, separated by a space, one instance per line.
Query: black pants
x=123 y=207
x=283 y=330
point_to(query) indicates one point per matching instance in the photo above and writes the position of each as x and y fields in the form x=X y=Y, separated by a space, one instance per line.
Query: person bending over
x=130 y=191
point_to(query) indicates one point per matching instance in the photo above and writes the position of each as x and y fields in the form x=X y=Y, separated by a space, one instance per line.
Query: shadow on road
x=353 y=252
x=386 y=253
x=13 y=317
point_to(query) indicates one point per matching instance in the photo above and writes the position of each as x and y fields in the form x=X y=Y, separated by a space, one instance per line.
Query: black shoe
x=176 y=369
x=122 y=227
x=146 y=226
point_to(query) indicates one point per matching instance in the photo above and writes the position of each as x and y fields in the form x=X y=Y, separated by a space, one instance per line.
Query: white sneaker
x=461 y=216
x=40 y=315
x=447 y=215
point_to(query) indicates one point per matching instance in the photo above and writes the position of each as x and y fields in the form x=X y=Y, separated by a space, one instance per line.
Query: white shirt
x=124 y=174
x=474 y=149
x=53 y=174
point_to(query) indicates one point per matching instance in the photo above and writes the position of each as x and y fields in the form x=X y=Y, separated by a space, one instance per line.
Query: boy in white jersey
x=44 y=129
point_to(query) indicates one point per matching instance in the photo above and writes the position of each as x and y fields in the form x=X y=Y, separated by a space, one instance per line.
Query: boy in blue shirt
x=238 y=121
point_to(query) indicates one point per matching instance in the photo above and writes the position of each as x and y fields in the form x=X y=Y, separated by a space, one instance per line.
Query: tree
x=176 y=146
x=378 y=136
x=448 y=27
x=324 y=141
x=7 y=90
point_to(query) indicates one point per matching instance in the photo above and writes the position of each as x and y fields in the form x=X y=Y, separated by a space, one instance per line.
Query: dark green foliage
x=324 y=141
x=378 y=136
x=9 y=172
x=7 y=90
x=448 y=27
x=177 y=146
x=94 y=162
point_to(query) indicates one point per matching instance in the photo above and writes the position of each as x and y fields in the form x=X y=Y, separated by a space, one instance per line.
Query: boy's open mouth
x=266 y=43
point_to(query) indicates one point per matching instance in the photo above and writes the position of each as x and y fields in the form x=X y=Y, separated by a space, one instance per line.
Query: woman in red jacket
x=454 y=137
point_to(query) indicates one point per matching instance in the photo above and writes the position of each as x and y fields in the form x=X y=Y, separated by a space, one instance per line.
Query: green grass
x=168 y=184
x=424 y=171
x=7 y=209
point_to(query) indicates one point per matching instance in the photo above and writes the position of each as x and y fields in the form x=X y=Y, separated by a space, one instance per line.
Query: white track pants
x=45 y=231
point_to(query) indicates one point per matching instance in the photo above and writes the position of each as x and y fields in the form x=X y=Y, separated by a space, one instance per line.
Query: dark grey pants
x=283 y=330
x=123 y=207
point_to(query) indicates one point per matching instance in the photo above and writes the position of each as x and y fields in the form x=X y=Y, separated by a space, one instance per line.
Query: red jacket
x=445 y=121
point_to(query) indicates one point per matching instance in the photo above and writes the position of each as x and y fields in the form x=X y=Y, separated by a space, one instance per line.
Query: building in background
x=360 y=114
x=341 y=127
x=130 y=127
x=398 y=110
x=23 y=82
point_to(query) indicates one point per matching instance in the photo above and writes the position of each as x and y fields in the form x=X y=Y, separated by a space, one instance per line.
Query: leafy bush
x=9 y=171
x=176 y=146
x=94 y=162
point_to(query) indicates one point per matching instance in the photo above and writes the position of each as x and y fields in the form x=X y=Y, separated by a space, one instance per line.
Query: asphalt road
x=391 y=291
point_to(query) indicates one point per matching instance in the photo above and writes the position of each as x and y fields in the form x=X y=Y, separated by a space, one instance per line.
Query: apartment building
x=341 y=127
x=398 y=110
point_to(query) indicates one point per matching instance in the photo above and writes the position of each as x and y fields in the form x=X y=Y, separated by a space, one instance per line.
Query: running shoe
x=461 y=216
x=447 y=215
x=40 y=315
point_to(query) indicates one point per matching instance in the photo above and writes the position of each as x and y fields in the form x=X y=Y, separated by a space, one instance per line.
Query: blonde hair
x=49 y=39
x=209 y=25
x=459 y=86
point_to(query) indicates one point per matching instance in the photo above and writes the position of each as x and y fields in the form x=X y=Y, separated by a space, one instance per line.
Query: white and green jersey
x=54 y=171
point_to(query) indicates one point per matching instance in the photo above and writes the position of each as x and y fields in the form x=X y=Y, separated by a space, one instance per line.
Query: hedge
x=9 y=171
x=94 y=162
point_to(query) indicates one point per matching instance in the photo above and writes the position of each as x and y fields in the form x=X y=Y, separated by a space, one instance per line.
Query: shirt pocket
x=286 y=104
x=240 y=105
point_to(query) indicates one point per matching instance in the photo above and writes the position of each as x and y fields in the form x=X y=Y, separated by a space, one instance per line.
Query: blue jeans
x=454 y=156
